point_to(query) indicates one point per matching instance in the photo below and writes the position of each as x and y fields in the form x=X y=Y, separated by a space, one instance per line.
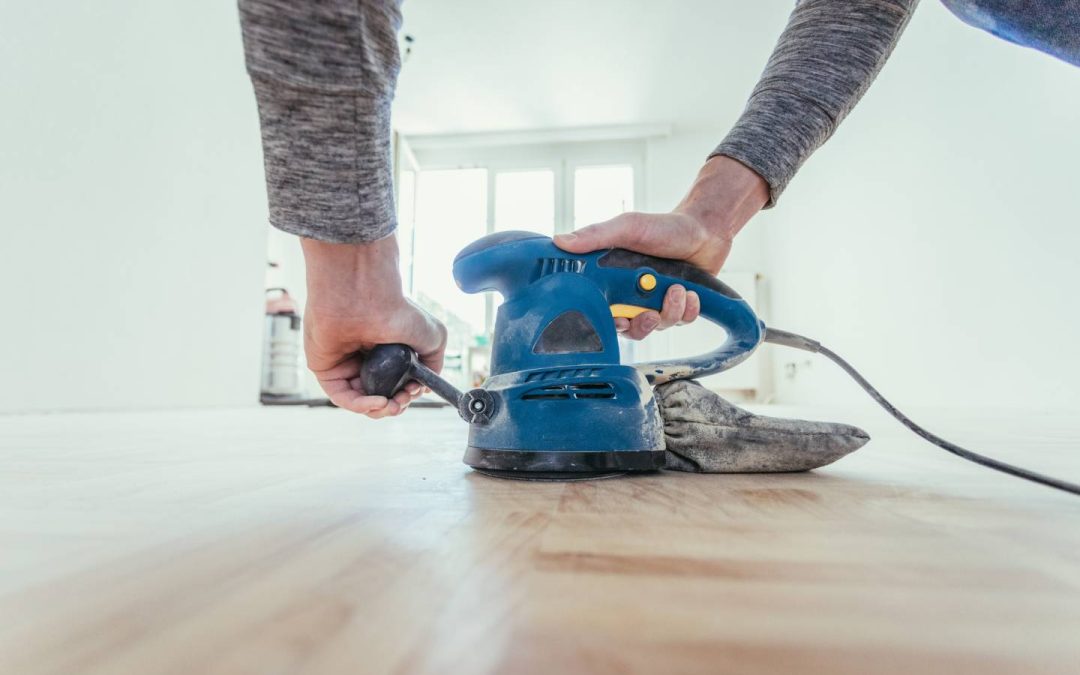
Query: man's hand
x=700 y=230
x=354 y=303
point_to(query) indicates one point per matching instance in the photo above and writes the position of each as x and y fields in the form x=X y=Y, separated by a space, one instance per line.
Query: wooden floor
x=313 y=541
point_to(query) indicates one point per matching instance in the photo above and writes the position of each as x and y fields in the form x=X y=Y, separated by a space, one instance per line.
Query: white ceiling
x=526 y=64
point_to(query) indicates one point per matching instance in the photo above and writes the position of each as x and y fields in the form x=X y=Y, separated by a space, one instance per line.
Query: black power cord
x=806 y=344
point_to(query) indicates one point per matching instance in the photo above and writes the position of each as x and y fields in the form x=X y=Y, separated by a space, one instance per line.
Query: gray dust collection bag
x=707 y=434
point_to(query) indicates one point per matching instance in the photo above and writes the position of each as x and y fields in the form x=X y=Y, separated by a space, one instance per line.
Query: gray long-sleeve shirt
x=324 y=76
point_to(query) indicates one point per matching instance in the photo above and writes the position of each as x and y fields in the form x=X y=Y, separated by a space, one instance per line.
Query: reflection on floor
x=311 y=540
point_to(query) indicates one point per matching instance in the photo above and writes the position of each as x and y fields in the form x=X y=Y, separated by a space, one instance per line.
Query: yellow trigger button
x=646 y=282
x=626 y=311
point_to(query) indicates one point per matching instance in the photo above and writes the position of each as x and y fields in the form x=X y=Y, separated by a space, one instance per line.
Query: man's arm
x=823 y=63
x=324 y=75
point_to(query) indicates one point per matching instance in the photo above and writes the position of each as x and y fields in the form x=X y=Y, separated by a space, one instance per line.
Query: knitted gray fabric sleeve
x=324 y=75
x=823 y=63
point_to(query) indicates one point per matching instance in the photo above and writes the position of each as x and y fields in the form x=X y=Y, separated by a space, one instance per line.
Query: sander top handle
x=520 y=264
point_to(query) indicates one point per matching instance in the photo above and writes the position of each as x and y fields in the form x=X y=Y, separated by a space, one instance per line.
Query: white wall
x=535 y=64
x=131 y=205
x=935 y=240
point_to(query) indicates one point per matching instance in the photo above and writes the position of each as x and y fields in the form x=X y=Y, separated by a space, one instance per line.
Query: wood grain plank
x=312 y=541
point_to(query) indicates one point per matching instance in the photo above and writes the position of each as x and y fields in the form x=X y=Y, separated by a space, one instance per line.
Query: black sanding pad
x=551 y=476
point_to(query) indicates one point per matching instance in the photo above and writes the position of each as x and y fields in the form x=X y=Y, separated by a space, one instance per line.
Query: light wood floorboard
x=313 y=541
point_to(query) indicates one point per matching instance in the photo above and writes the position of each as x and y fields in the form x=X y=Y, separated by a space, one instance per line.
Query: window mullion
x=489 y=302
x=565 y=199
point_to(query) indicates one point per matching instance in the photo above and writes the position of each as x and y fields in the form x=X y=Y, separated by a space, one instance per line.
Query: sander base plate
x=550 y=476
x=562 y=464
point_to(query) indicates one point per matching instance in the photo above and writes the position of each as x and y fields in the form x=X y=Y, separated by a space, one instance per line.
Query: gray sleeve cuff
x=324 y=75
x=774 y=137
x=328 y=165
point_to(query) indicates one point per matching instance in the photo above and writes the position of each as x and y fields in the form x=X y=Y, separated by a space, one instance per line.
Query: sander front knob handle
x=387 y=368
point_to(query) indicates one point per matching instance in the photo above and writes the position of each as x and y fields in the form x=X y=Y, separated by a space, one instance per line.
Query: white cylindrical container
x=281 y=351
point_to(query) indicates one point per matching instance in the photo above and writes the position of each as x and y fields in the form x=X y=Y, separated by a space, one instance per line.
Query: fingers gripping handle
x=719 y=304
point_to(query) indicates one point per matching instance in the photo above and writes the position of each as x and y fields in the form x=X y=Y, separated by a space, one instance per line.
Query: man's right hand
x=354 y=303
x=725 y=195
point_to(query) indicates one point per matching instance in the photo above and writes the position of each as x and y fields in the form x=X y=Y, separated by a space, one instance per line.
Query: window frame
x=562 y=158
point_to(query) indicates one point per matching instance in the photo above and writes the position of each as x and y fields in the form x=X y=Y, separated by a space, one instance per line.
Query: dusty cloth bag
x=707 y=434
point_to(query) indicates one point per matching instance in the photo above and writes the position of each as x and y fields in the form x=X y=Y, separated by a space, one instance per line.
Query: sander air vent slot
x=560 y=374
x=556 y=265
x=592 y=390
x=565 y=392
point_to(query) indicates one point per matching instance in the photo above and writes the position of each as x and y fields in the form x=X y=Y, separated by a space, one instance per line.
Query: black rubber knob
x=386 y=369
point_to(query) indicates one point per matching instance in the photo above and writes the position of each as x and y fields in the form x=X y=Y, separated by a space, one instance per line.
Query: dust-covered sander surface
x=559 y=404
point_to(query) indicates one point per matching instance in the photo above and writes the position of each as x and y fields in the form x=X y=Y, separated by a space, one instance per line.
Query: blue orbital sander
x=558 y=404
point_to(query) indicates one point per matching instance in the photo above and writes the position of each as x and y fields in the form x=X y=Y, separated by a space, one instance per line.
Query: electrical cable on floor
x=806 y=344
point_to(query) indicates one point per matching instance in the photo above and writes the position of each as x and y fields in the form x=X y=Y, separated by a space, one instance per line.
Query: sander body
x=560 y=405
x=559 y=402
